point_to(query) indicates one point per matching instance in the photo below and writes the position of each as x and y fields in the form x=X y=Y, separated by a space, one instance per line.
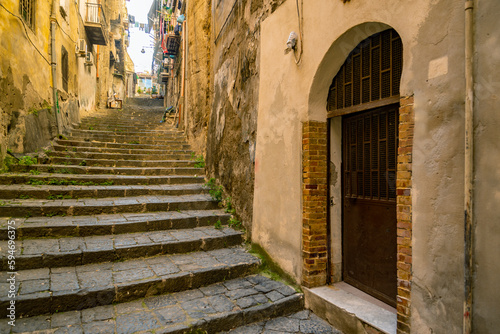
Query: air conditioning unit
x=89 y=58
x=81 y=48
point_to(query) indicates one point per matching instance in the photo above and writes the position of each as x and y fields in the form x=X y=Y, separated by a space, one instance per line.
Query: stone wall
x=222 y=93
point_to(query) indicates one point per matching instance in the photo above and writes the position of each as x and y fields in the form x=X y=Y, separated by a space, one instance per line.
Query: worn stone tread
x=20 y=178
x=117 y=150
x=108 y=205
x=120 y=162
x=157 y=155
x=83 y=143
x=71 y=169
x=213 y=308
x=83 y=226
x=79 y=191
x=71 y=251
x=302 y=322
x=43 y=291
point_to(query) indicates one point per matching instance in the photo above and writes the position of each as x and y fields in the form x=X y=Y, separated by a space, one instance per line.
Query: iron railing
x=95 y=14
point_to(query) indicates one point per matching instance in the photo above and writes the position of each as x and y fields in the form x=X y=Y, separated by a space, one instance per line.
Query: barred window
x=64 y=68
x=27 y=10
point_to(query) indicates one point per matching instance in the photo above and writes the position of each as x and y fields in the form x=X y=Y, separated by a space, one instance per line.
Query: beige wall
x=433 y=39
x=487 y=174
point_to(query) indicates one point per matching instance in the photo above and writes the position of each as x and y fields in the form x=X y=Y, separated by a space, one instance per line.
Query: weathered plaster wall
x=487 y=174
x=432 y=34
x=198 y=76
x=24 y=80
x=232 y=123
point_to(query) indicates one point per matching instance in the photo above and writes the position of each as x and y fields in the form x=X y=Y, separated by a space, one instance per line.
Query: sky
x=139 y=39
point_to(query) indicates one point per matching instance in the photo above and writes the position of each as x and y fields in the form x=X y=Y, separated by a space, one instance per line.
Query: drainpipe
x=184 y=81
x=53 y=64
x=469 y=166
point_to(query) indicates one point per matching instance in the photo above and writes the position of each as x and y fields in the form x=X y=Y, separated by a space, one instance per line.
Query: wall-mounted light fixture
x=291 y=42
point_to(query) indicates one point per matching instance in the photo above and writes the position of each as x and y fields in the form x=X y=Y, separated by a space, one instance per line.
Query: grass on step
x=56 y=182
x=270 y=269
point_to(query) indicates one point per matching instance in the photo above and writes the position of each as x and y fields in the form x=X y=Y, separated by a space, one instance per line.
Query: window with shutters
x=371 y=75
x=64 y=68
x=27 y=11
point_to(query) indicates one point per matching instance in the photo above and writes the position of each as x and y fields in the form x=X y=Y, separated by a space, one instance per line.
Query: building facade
x=55 y=66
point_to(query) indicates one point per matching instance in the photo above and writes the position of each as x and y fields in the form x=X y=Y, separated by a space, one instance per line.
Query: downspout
x=53 y=64
x=469 y=166
x=184 y=30
x=182 y=112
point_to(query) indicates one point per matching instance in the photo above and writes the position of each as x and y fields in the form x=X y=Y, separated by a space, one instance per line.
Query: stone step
x=302 y=322
x=74 y=251
x=120 y=163
x=20 y=191
x=210 y=309
x=122 y=137
x=121 y=156
x=92 y=206
x=108 y=124
x=119 y=151
x=146 y=140
x=110 y=224
x=136 y=132
x=71 y=169
x=43 y=291
x=103 y=179
x=73 y=143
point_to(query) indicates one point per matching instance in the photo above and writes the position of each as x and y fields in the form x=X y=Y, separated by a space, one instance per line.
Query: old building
x=58 y=60
x=350 y=156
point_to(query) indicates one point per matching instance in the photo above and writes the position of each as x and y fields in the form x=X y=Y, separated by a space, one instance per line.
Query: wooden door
x=370 y=142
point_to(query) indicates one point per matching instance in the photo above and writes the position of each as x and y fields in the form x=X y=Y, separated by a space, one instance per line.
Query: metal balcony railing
x=95 y=14
x=96 y=25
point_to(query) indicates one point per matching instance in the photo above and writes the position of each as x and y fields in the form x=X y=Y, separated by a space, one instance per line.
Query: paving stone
x=98 y=313
x=134 y=322
x=198 y=308
x=274 y=296
x=283 y=324
x=99 y=327
x=66 y=319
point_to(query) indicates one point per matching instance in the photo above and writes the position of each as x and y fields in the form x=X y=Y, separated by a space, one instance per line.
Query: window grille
x=372 y=72
x=27 y=10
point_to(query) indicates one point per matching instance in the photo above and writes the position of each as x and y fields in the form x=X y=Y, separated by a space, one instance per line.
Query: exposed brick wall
x=314 y=204
x=404 y=212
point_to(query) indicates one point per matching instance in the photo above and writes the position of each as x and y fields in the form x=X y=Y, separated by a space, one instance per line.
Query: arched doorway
x=363 y=104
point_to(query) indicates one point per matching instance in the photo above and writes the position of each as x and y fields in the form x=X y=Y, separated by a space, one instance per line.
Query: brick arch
x=315 y=242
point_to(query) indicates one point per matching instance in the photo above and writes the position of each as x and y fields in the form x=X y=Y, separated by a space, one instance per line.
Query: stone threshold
x=351 y=310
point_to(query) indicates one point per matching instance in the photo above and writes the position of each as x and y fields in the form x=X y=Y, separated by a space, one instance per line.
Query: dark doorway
x=370 y=142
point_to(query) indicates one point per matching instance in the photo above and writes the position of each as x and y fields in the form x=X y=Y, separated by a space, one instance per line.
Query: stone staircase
x=114 y=233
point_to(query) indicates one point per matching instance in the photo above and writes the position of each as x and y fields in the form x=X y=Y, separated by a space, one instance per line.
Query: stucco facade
x=432 y=33
x=82 y=76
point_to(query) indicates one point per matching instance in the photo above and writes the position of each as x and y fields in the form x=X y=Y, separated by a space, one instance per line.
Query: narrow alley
x=116 y=233
x=249 y=166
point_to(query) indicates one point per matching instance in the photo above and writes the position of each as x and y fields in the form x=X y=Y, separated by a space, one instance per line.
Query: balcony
x=95 y=23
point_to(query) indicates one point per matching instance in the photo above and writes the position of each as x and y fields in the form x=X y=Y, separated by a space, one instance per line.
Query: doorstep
x=351 y=310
